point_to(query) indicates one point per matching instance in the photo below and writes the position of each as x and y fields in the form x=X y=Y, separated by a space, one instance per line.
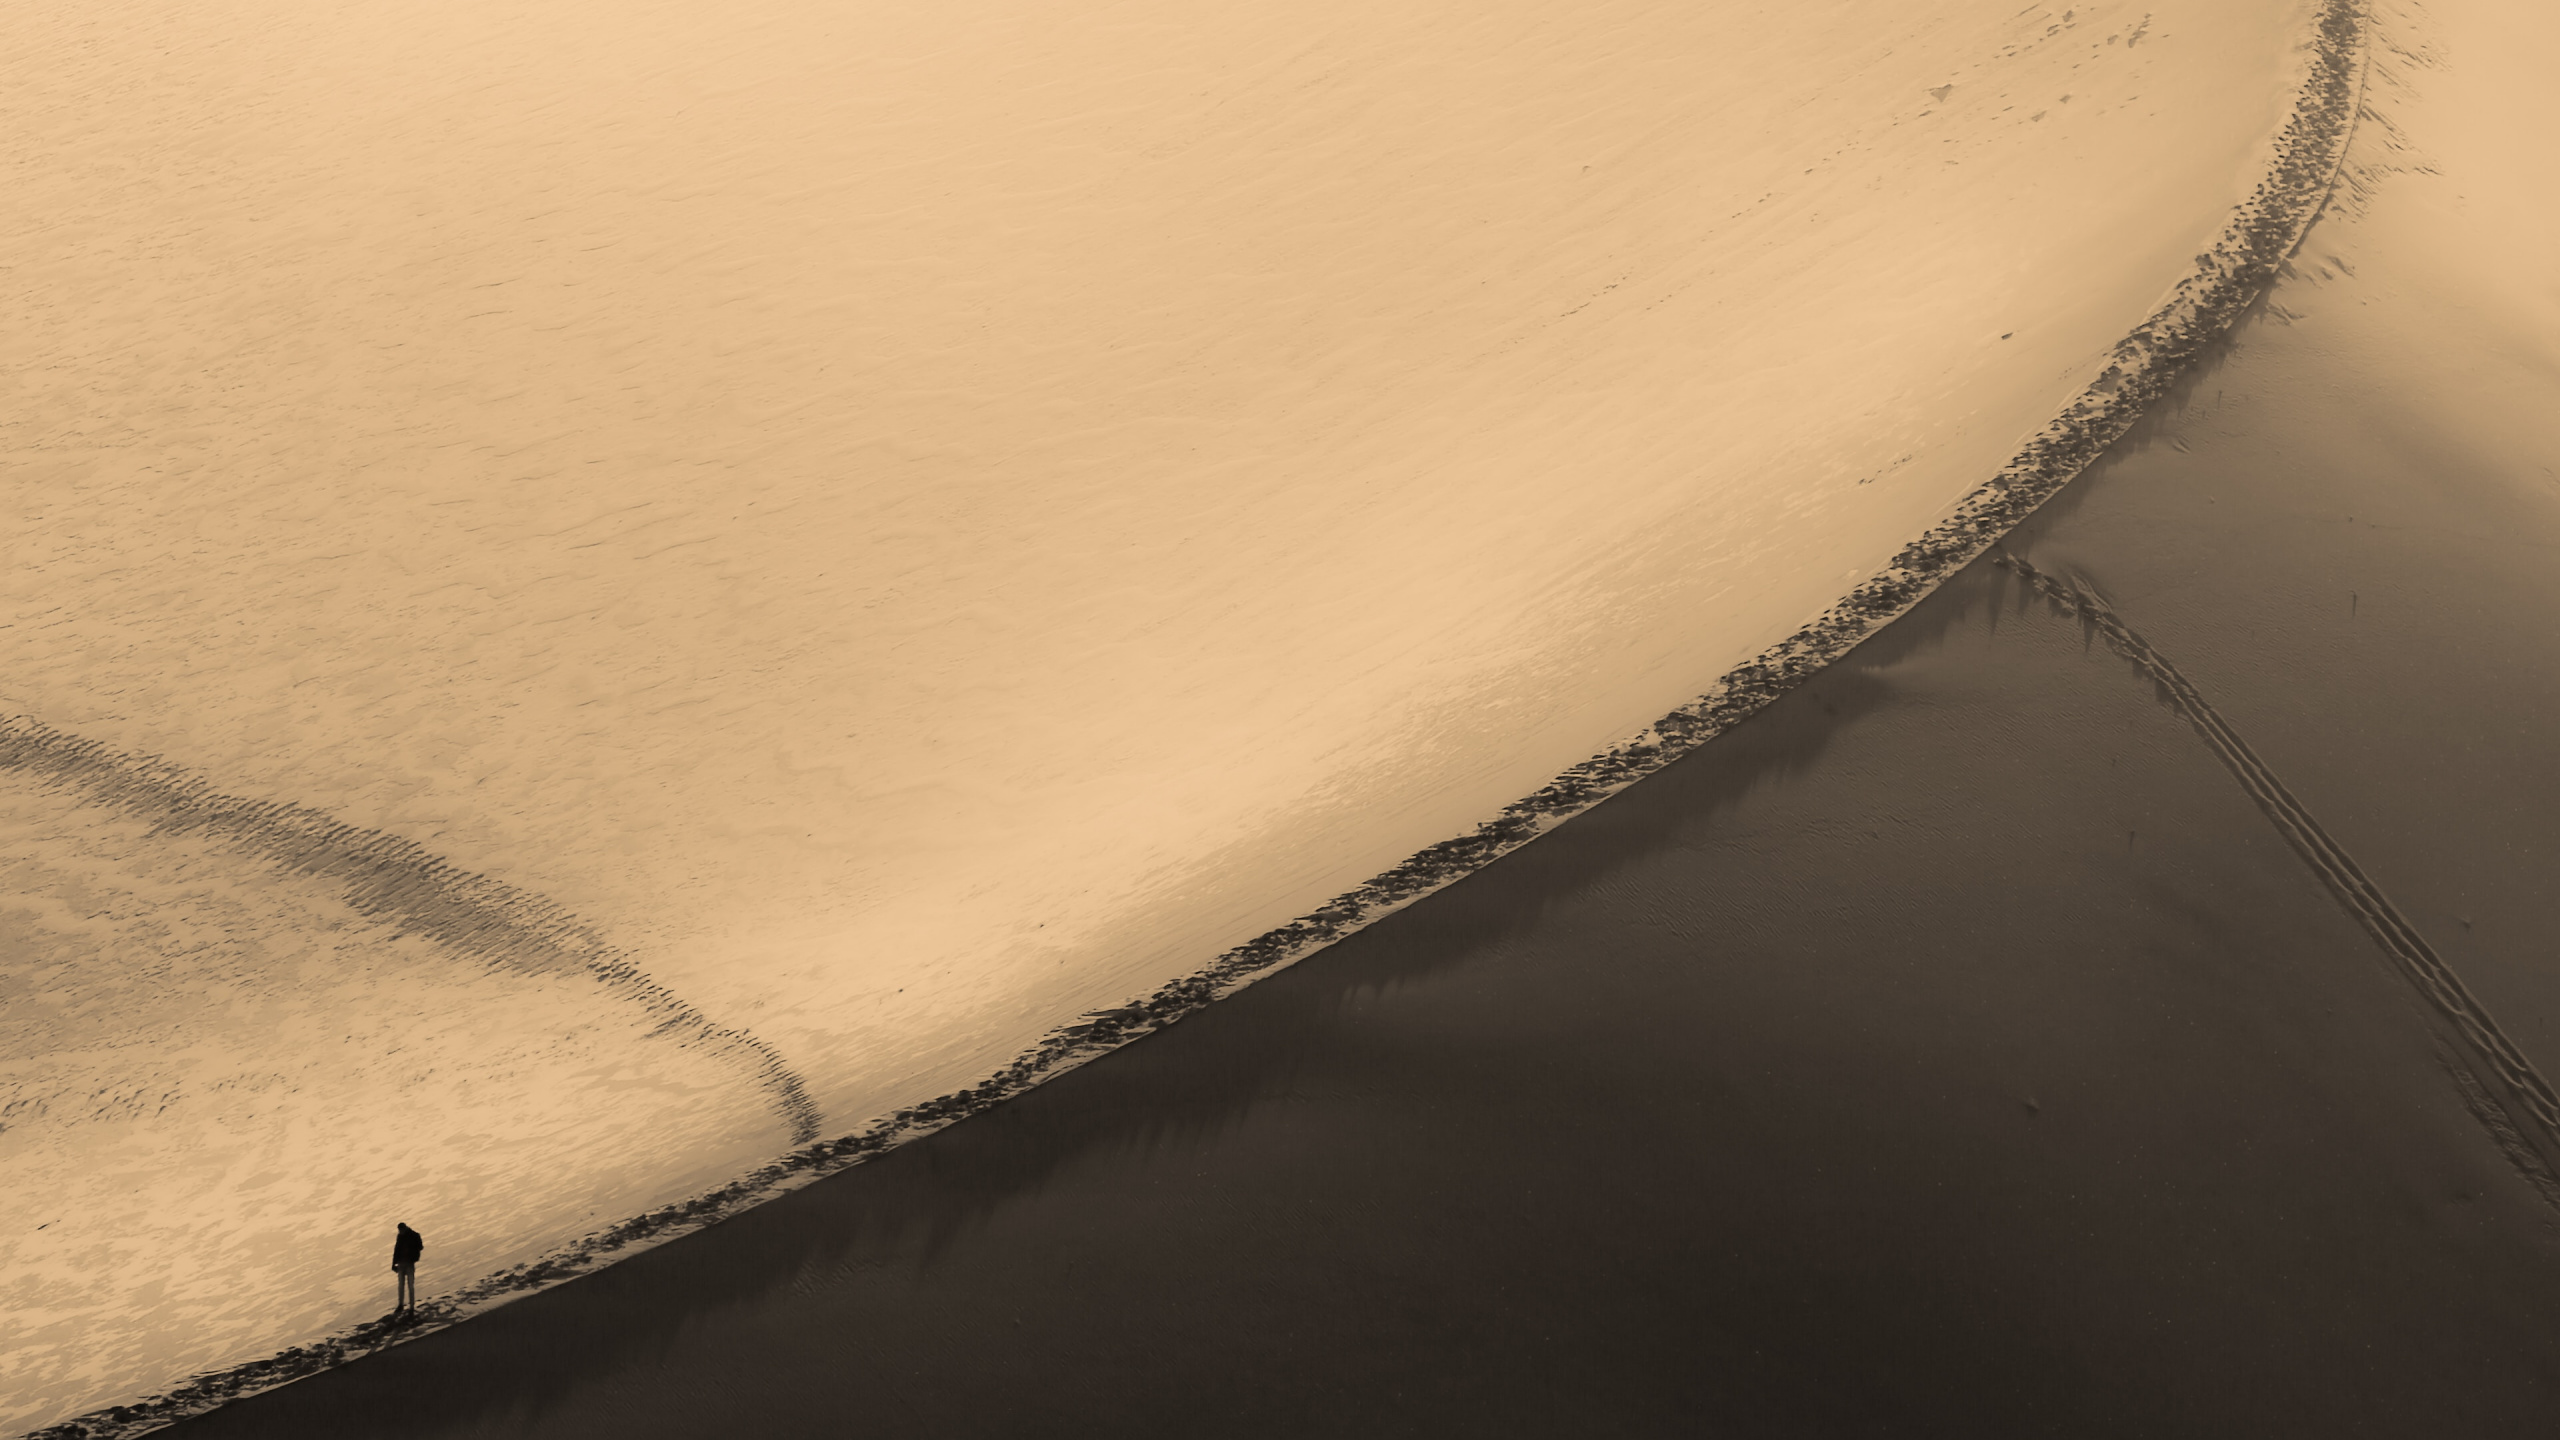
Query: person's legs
x=408 y=1290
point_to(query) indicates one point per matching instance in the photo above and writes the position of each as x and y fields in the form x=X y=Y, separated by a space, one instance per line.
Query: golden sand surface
x=917 y=523
x=2466 y=342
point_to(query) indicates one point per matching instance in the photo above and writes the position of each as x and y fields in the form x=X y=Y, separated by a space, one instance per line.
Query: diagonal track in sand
x=399 y=882
x=2243 y=261
x=2471 y=1035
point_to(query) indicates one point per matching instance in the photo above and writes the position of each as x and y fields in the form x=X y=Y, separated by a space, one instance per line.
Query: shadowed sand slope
x=918 y=524
x=1985 y=1010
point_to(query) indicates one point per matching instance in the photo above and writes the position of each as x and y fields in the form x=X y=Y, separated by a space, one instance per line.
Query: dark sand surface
x=1951 y=1049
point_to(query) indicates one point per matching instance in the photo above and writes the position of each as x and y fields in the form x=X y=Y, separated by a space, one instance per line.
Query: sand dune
x=905 y=528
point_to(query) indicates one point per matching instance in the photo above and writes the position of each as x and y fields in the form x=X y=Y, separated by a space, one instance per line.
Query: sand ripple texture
x=891 y=529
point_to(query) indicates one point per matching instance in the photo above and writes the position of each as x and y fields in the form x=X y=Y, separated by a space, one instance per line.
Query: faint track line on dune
x=2533 y=1147
x=395 y=881
x=2248 y=255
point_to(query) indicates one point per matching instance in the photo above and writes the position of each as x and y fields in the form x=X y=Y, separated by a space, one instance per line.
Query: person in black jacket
x=405 y=1251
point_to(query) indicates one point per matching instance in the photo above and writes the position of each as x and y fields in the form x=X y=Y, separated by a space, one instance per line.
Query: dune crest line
x=396 y=881
x=2247 y=257
x=2514 y=1086
x=2244 y=259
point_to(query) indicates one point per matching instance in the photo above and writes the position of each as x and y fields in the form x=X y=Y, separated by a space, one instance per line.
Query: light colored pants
x=408 y=1287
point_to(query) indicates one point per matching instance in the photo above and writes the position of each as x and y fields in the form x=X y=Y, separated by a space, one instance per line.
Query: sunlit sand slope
x=909 y=525
x=217 y=1073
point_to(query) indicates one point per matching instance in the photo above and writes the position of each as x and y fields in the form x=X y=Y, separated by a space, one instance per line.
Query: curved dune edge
x=2262 y=233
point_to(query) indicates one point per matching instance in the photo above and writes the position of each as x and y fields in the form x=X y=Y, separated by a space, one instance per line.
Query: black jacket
x=407 y=1249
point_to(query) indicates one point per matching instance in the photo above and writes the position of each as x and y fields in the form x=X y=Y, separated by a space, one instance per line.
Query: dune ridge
x=2224 y=280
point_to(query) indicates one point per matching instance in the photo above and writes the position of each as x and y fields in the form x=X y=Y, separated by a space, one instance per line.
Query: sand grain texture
x=915 y=526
